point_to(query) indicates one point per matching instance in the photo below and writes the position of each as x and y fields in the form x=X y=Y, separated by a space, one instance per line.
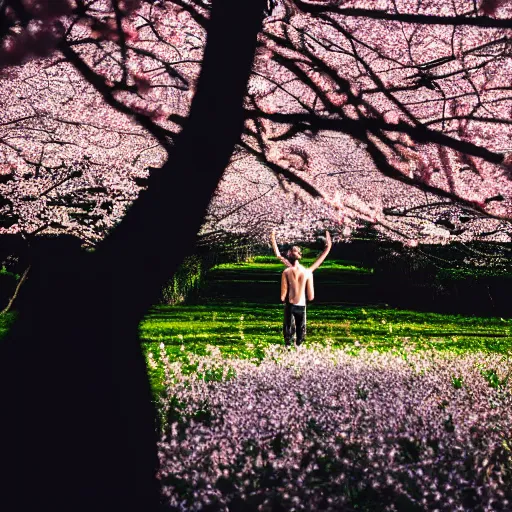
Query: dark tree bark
x=78 y=425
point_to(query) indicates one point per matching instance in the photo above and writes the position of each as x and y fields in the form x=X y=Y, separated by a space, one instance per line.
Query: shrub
x=185 y=283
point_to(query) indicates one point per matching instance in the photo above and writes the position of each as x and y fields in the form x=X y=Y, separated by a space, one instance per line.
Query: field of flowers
x=320 y=428
x=381 y=410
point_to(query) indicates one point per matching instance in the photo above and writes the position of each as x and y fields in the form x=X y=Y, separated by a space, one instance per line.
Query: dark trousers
x=294 y=323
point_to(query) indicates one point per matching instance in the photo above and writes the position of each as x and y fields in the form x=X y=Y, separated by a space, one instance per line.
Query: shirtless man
x=296 y=284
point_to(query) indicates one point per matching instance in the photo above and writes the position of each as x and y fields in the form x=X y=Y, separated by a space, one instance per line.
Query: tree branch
x=423 y=19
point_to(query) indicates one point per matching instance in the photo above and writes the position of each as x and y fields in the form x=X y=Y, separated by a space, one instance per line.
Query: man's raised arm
x=321 y=258
x=276 y=249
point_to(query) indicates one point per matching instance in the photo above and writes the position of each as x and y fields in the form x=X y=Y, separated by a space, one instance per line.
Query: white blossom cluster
x=321 y=429
x=67 y=170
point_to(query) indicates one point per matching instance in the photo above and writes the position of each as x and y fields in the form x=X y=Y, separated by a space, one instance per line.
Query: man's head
x=294 y=254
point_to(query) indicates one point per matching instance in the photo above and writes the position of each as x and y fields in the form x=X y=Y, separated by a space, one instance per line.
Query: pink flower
x=489 y=7
x=507 y=165
x=131 y=33
x=142 y=83
x=391 y=117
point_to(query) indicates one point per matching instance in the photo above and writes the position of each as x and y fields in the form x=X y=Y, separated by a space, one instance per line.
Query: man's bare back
x=296 y=283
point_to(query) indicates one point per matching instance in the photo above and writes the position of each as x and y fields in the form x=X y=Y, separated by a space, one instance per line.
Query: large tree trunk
x=78 y=426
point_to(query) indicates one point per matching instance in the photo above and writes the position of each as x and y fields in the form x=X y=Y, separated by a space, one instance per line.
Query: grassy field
x=382 y=409
x=233 y=327
x=240 y=309
x=270 y=263
x=336 y=281
x=240 y=314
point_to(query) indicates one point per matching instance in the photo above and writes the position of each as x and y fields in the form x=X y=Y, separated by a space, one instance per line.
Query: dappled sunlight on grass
x=232 y=326
x=269 y=264
x=246 y=330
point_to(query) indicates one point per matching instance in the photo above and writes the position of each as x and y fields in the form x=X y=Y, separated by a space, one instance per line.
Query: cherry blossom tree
x=388 y=115
x=96 y=446
x=385 y=114
x=392 y=113
x=71 y=177
x=52 y=106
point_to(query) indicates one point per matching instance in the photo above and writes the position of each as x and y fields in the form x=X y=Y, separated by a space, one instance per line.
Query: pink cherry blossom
x=400 y=120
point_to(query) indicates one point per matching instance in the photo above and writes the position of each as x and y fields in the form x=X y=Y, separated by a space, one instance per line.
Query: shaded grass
x=258 y=281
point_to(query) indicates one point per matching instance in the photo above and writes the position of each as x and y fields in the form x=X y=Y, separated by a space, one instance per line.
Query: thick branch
x=422 y=19
x=419 y=134
x=164 y=220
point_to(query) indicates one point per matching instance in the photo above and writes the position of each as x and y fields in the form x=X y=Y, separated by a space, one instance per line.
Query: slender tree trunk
x=78 y=426
x=23 y=278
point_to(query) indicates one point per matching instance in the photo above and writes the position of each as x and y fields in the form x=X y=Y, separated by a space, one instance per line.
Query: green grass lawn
x=242 y=327
x=413 y=345
x=235 y=328
x=270 y=263
x=239 y=317
x=241 y=310
x=258 y=281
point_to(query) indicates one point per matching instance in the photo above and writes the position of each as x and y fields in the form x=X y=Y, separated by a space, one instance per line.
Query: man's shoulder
x=305 y=272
